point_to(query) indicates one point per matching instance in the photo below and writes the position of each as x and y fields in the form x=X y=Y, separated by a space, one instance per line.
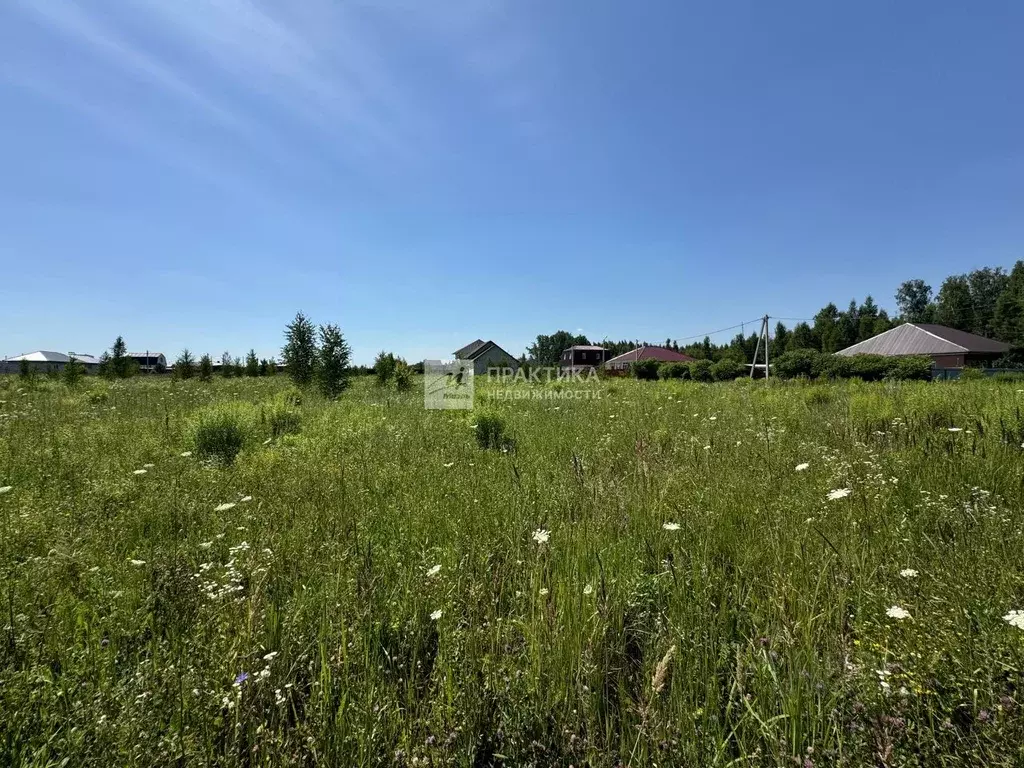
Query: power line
x=720 y=330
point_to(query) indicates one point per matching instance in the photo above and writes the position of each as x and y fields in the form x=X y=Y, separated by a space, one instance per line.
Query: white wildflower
x=245 y=499
x=1015 y=619
x=139 y=472
x=224 y=507
x=802 y=467
x=278 y=697
x=670 y=526
x=264 y=673
x=433 y=571
x=954 y=429
x=543 y=590
x=148 y=466
x=588 y=590
x=449 y=465
x=436 y=614
x=6 y=489
x=206 y=545
x=138 y=563
x=908 y=573
x=185 y=455
x=839 y=493
x=895 y=612
x=541 y=536
x=271 y=656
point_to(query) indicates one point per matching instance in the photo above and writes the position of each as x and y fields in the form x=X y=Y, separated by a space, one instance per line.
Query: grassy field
x=672 y=575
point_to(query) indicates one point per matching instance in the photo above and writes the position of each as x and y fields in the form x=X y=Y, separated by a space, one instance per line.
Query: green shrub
x=220 y=431
x=914 y=368
x=403 y=376
x=700 y=370
x=796 y=362
x=490 y=432
x=870 y=367
x=673 y=371
x=73 y=372
x=645 y=370
x=834 y=367
x=384 y=367
x=971 y=374
x=727 y=370
x=283 y=420
x=97 y=396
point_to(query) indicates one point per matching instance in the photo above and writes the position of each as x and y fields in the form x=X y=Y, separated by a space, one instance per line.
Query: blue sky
x=191 y=173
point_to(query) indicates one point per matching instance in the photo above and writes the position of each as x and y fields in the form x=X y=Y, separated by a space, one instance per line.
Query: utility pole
x=762 y=335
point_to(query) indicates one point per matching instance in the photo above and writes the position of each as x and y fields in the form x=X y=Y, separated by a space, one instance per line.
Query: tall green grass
x=376 y=588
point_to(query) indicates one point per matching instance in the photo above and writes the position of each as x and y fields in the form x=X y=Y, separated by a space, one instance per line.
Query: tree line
x=988 y=302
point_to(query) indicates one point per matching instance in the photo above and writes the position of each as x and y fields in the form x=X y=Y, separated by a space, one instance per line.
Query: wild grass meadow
x=675 y=574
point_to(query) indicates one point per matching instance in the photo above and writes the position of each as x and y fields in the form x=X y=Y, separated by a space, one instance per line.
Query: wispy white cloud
x=345 y=76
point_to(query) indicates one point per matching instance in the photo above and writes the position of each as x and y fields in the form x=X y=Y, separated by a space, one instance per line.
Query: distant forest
x=988 y=302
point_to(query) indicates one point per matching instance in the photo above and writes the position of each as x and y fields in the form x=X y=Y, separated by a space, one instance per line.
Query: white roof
x=43 y=356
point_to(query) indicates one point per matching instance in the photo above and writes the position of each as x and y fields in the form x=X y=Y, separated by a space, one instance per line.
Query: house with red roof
x=621 y=363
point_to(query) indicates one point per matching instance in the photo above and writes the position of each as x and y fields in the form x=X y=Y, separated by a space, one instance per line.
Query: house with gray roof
x=948 y=347
x=486 y=354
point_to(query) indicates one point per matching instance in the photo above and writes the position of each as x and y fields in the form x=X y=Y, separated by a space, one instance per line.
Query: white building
x=43 y=361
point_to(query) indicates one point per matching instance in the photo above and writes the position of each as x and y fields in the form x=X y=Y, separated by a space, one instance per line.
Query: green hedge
x=673 y=371
x=817 y=365
x=645 y=369
x=700 y=370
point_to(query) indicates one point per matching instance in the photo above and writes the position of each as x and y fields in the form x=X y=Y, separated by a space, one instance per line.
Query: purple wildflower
x=242 y=677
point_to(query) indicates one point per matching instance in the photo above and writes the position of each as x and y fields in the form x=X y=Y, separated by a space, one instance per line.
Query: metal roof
x=145 y=354
x=924 y=339
x=45 y=356
x=467 y=352
x=647 y=352
x=586 y=348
